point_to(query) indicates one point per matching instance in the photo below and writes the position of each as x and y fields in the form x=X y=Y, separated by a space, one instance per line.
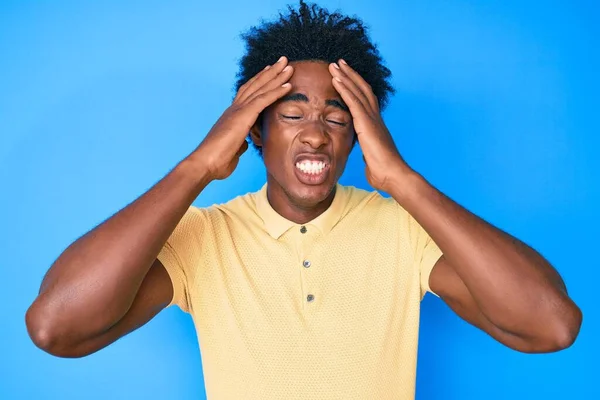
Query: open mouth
x=312 y=171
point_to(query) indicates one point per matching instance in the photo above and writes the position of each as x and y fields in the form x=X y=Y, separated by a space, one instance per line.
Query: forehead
x=313 y=79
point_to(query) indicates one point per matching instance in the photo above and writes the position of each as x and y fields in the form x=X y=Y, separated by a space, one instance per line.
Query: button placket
x=309 y=297
x=305 y=241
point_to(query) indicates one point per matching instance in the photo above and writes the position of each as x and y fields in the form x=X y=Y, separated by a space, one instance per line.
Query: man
x=306 y=288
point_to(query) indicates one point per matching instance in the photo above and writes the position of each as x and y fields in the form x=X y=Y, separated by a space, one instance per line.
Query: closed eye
x=337 y=122
x=291 y=116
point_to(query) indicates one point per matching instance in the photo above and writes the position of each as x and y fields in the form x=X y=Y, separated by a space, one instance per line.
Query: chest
x=305 y=279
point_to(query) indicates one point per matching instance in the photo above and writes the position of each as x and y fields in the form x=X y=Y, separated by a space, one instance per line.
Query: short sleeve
x=426 y=253
x=181 y=255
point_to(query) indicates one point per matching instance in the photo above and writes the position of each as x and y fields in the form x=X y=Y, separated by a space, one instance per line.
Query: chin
x=303 y=191
x=309 y=195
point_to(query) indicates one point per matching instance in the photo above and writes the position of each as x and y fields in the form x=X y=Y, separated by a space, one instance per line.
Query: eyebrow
x=302 y=97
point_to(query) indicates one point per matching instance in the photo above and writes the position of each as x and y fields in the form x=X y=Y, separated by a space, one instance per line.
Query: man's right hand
x=221 y=149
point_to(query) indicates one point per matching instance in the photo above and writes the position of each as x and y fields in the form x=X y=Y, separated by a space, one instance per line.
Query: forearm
x=95 y=280
x=514 y=287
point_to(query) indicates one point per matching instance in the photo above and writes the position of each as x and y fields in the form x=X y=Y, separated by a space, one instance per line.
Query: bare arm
x=490 y=278
x=154 y=294
x=108 y=282
x=94 y=282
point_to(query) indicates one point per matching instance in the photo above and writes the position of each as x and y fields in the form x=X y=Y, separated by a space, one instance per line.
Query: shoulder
x=241 y=204
x=241 y=209
x=370 y=208
x=368 y=201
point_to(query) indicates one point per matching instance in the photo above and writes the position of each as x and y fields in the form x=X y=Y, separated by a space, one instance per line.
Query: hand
x=381 y=156
x=222 y=147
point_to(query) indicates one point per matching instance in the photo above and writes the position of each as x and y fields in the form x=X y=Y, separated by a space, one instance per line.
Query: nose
x=315 y=135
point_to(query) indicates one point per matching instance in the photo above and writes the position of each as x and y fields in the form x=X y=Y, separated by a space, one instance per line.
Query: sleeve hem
x=169 y=260
x=429 y=261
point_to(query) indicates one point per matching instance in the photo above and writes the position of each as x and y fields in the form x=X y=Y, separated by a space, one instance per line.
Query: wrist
x=195 y=170
x=405 y=184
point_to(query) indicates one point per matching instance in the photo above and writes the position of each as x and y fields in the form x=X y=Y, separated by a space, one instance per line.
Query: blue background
x=497 y=106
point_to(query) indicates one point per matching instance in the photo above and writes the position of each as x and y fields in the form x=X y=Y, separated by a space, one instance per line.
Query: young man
x=306 y=288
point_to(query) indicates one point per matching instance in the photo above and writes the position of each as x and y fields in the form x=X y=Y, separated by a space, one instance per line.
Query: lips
x=312 y=169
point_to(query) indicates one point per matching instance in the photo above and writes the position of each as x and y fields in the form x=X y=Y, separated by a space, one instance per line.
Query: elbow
x=568 y=328
x=562 y=332
x=44 y=333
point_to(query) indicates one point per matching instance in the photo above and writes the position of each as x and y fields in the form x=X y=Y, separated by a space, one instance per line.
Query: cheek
x=343 y=147
x=345 y=140
x=276 y=141
x=279 y=134
x=277 y=138
x=270 y=129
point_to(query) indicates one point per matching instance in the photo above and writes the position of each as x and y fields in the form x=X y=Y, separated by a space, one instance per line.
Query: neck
x=292 y=209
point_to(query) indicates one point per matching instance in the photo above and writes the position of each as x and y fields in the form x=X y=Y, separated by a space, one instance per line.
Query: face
x=306 y=138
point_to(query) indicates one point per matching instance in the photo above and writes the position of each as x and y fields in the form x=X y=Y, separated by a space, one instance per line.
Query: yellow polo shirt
x=325 y=310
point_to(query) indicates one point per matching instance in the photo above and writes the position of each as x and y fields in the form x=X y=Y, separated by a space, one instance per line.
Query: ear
x=256 y=134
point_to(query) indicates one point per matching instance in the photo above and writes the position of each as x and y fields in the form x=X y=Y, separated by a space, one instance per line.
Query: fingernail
x=267 y=67
x=286 y=69
x=287 y=84
x=343 y=62
x=281 y=59
x=336 y=66
x=337 y=79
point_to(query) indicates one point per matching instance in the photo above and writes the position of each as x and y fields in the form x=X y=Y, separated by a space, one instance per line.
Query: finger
x=261 y=78
x=244 y=87
x=349 y=83
x=279 y=80
x=263 y=100
x=356 y=106
x=361 y=83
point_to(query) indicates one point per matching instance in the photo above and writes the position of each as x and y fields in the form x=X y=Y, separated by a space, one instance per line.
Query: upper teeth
x=311 y=167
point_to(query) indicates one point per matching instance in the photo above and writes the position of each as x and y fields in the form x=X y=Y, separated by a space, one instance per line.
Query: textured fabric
x=246 y=275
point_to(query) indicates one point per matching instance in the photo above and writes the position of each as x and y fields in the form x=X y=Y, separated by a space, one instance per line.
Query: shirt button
x=303 y=229
x=310 y=298
x=306 y=264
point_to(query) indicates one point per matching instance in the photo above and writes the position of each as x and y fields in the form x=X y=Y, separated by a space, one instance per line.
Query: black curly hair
x=311 y=33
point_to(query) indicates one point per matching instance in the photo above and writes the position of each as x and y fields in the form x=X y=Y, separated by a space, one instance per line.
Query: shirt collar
x=276 y=225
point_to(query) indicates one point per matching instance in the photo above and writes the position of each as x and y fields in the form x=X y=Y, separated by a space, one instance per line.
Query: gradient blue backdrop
x=497 y=106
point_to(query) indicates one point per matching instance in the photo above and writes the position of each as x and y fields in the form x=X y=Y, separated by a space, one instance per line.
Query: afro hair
x=311 y=33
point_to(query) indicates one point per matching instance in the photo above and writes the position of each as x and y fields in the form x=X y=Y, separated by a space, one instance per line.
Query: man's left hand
x=383 y=161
